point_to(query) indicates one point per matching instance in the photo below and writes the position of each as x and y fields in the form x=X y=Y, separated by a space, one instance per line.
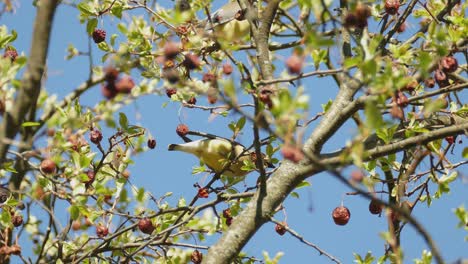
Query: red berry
x=212 y=95
x=227 y=68
x=95 y=136
x=401 y=28
x=102 y=231
x=90 y=174
x=450 y=139
x=265 y=97
x=202 y=193
x=391 y=6
x=171 y=50
x=11 y=53
x=192 y=101
x=375 y=207
x=111 y=74
x=341 y=215
x=170 y=92
x=108 y=90
x=209 y=77
x=151 y=143
x=48 y=166
x=17 y=220
x=126 y=174
x=182 y=130
x=291 y=153
x=294 y=64
x=280 y=228
x=430 y=82
x=125 y=85
x=191 y=61
x=76 y=225
x=146 y=226
x=196 y=257
x=99 y=35
x=357 y=176
x=229 y=221
x=449 y=64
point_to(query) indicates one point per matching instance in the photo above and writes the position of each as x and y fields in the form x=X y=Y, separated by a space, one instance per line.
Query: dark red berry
x=450 y=139
x=11 y=53
x=202 y=193
x=48 y=166
x=229 y=221
x=350 y=20
x=280 y=228
x=99 y=35
x=102 y=231
x=291 y=153
x=171 y=50
x=227 y=213
x=191 y=61
x=170 y=92
x=108 y=90
x=151 y=143
x=125 y=85
x=430 y=82
x=375 y=207
x=294 y=64
x=17 y=220
x=182 y=130
x=192 y=101
x=401 y=28
x=341 y=215
x=227 y=68
x=441 y=78
x=196 y=257
x=392 y=6
x=95 y=136
x=171 y=75
x=449 y=64
x=111 y=74
x=146 y=226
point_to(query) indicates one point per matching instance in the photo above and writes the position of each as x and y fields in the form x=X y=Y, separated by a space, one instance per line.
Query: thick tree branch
x=31 y=83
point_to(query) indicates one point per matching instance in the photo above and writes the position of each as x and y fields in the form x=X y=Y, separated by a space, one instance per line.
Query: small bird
x=229 y=23
x=217 y=153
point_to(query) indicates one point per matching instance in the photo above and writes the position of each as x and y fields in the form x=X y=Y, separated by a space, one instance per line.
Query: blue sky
x=160 y=171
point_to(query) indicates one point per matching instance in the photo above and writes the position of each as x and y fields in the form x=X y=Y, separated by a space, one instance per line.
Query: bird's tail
x=173 y=147
x=190 y=147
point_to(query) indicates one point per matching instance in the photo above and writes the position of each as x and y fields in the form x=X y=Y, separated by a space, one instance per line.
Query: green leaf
x=295 y=195
x=327 y=106
x=85 y=8
x=92 y=24
x=465 y=153
x=74 y=212
x=240 y=123
x=123 y=121
x=303 y=184
x=104 y=47
x=373 y=116
x=30 y=124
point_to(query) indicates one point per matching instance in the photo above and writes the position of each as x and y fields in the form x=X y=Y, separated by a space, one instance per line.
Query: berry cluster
x=115 y=85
